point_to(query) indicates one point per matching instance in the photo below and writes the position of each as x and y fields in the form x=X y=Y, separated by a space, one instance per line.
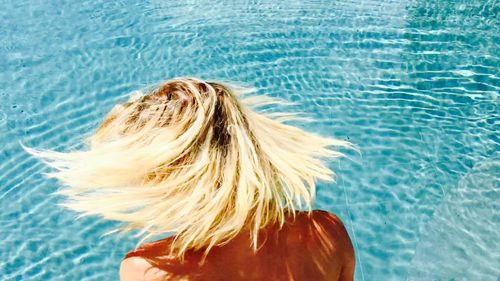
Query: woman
x=191 y=158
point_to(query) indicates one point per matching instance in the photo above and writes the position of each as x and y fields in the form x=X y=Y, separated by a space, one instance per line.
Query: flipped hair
x=193 y=158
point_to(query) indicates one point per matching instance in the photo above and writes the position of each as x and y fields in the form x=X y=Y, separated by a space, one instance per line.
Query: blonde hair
x=193 y=158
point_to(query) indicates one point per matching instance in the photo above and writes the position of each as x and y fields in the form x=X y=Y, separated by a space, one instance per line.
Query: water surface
x=414 y=84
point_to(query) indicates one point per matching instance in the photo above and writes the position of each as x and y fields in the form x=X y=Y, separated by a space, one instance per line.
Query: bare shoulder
x=323 y=221
x=139 y=269
x=334 y=226
x=328 y=220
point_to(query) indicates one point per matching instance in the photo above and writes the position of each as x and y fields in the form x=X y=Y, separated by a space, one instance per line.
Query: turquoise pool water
x=413 y=83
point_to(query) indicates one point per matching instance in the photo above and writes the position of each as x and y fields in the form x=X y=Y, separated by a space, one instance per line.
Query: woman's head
x=192 y=157
x=178 y=104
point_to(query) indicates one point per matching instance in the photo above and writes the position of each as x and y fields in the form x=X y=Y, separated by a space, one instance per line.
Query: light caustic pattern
x=414 y=84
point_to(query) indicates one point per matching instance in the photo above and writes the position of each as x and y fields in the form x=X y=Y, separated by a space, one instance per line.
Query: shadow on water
x=453 y=61
x=461 y=241
x=413 y=83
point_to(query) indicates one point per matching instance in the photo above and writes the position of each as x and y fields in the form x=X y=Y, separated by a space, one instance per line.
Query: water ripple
x=413 y=83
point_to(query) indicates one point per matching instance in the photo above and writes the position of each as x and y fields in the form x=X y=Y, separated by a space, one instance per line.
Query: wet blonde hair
x=193 y=158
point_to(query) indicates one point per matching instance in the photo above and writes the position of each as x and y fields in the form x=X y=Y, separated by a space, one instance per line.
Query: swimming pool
x=413 y=83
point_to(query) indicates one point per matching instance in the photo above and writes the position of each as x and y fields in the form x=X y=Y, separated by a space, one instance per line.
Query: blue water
x=414 y=84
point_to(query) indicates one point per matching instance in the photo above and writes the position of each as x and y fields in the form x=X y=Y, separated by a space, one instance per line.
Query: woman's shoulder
x=137 y=268
x=151 y=248
x=314 y=226
x=135 y=265
x=324 y=218
x=330 y=223
x=328 y=218
x=336 y=229
x=333 y=239
x=318 y=225
x=306 y=233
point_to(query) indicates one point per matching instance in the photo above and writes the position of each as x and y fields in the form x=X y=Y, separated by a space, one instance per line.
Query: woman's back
x=311 y=247
x=197 y=159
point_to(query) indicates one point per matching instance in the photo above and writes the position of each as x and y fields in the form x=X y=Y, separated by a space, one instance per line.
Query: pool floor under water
x=414 y=84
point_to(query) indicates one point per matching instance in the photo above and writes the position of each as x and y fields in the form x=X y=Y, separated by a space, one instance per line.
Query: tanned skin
x=312 y=247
